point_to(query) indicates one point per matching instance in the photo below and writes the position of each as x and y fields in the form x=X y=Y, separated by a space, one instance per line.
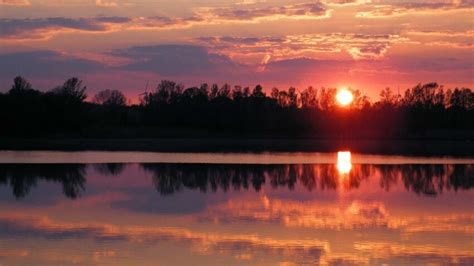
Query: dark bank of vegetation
x=426 y=111
x=422 y=179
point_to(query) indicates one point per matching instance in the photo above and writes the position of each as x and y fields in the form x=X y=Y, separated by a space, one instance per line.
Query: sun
x=344 y=97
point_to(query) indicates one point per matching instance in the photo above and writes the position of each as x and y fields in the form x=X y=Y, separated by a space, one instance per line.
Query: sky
x=125 y=44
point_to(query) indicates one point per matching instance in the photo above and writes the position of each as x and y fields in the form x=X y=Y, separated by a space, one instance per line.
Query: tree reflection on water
x=422 y=179
x=22 y=177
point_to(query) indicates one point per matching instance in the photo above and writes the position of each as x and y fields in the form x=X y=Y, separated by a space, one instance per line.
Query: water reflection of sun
x=344 y=164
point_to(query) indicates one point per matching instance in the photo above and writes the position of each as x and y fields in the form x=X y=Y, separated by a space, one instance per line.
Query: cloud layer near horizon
x=366 y=44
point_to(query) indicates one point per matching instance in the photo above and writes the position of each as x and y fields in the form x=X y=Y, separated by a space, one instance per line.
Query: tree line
x=423 y=111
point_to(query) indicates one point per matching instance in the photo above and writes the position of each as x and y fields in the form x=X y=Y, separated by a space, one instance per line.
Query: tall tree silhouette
x=72 y=91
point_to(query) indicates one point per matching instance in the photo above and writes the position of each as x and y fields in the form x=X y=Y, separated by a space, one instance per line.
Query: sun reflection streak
x=344 y=164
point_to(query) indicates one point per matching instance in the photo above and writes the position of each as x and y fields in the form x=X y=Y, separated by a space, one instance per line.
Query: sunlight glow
x=344 y=164
x=344 y=97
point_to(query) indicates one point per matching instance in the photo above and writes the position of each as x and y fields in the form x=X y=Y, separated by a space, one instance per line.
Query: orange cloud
x=387 y=8
x=347 y=2
x=313 y=10
x=353 y=215
x=202 y=243
x=389 y=249
x=106 y=3
x=302 y=214
x=13 y=253
x=19 y=3
x=358 y=46
x=45 y=28
x=452 y=39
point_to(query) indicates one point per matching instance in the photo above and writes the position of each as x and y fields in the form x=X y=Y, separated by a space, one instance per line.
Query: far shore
x=394 y=147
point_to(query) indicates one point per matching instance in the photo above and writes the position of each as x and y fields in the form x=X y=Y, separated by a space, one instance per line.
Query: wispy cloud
x=20 y=3
x=446 y=33
x=106 y=3
x=301 y=214
x=201 y=242
x=390 y=8
x=313 y=10
x=451 y=39
x=347 y=2
x=43 y=28
x=385 y=250
x=8 y=253
x=358 y=46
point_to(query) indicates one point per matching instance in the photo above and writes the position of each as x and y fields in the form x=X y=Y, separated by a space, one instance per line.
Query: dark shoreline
x=393 y=147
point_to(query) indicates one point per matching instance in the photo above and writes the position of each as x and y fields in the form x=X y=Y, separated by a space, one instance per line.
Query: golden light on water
x=344 y=97
x=344 y=164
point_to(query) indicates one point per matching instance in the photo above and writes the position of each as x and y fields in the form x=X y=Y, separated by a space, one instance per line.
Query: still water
x=234 y=209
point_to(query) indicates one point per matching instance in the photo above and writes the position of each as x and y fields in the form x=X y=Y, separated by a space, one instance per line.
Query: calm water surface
x=234 y=209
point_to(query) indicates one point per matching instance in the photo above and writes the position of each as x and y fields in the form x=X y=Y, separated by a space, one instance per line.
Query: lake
x=144 y=208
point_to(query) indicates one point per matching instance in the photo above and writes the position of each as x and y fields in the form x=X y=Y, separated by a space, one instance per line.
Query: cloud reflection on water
x=242 y=214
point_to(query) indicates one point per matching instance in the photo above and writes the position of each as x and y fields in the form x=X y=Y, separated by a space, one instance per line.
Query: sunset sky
x=122 y=44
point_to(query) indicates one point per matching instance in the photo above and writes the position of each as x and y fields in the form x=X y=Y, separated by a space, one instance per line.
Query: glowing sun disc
x=344 y=97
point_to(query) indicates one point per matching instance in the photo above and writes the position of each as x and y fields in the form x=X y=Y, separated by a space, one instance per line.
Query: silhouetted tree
x=246 y=92
x=19 y=85
x=237 y=92
x=204 y=90
x=283 y=99
x=224 y=91
x=72 y=91
x=214 y=91
x=388 y=98
x=275 y=92
x=292 y=97
x=258 y=92
x=309 y=98
x=112 y=98
x=461 y=99
x=327 y=98
x=360 y=101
